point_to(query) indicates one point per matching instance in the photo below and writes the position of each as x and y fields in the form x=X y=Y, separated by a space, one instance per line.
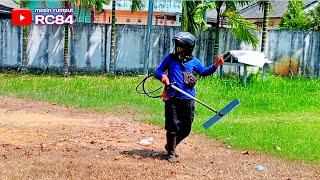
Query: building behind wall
x=254 y=12
x=6 y=7
x=166 y=12
x=138 y=18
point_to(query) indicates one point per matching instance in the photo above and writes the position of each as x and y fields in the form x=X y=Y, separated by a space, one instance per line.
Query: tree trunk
x=184 y=18
x=25 y=32
x=264 y=25
x=217 y=31
x=187 y=23
x=148 y=39
x=66 y=44
x=264 y=34
x=79 y=13
x=113 y=40
x=66 y=50
x=93 y=15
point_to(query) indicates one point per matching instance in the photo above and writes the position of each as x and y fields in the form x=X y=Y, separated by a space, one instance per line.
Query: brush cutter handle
x=190 y=96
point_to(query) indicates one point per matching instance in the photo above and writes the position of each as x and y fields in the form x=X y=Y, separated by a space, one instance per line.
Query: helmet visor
x=180 y=43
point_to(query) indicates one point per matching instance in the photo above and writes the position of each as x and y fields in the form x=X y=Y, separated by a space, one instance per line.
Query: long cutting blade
x=232 y=105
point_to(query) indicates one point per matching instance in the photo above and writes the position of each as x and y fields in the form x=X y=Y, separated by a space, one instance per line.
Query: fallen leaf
x=28 y=154
x=245 y=152
x=278 y=148
x=5 y=145
x=173 y=173
x=4 y=157
x=43 y=148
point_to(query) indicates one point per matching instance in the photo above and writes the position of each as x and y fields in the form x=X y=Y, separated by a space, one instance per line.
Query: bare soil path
x=47 y=141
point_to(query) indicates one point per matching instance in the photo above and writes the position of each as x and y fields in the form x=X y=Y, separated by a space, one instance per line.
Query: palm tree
x=67 y=4
x=113 y=40
x=25 y=32
x=265 y=6
x=190 y=24
x=86 y=4
x=136 y=5
x=242 y=29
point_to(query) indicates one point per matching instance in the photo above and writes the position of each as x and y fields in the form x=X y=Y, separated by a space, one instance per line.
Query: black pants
x=179 y=114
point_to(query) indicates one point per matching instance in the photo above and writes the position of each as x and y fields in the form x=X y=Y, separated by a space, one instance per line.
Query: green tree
x=295 y=18
x=189 y=24
x=315 y=19
x=240 y=28
x=266 y=6
x=136 y=5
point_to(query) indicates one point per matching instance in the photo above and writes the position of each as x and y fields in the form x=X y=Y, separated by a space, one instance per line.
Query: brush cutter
x=219 y=114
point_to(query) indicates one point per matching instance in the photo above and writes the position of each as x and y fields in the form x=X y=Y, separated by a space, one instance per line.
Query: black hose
x=144 y=92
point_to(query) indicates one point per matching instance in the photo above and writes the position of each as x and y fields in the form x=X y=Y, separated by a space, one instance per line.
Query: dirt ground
x=47 y=141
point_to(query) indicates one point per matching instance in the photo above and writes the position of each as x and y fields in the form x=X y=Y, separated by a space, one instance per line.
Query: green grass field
x=280 y=116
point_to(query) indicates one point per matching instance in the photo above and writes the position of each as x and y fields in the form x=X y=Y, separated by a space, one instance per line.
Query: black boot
x=167 y=149
x=170 y=147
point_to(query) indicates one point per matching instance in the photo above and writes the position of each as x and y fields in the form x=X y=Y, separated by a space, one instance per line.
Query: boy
x=179 y=109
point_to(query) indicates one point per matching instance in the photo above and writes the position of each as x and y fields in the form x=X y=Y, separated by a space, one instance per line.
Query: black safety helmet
x=185 y=40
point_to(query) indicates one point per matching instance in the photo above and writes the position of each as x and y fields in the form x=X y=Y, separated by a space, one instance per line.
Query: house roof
x=5 y=8
x=309 y=7
x=212 y=14
x=253 y=58
x=9 y=4
x=253 y=11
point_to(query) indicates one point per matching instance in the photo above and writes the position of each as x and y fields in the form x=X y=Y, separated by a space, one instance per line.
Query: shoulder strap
x=182 y=66
x=184 y=69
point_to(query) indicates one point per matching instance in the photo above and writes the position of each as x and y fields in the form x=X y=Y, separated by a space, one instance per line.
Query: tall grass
x=280 y=116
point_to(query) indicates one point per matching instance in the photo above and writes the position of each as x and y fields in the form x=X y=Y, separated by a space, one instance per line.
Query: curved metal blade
x=232 y=105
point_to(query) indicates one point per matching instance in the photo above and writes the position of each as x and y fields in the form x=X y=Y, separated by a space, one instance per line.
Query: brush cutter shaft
x=190 y=96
